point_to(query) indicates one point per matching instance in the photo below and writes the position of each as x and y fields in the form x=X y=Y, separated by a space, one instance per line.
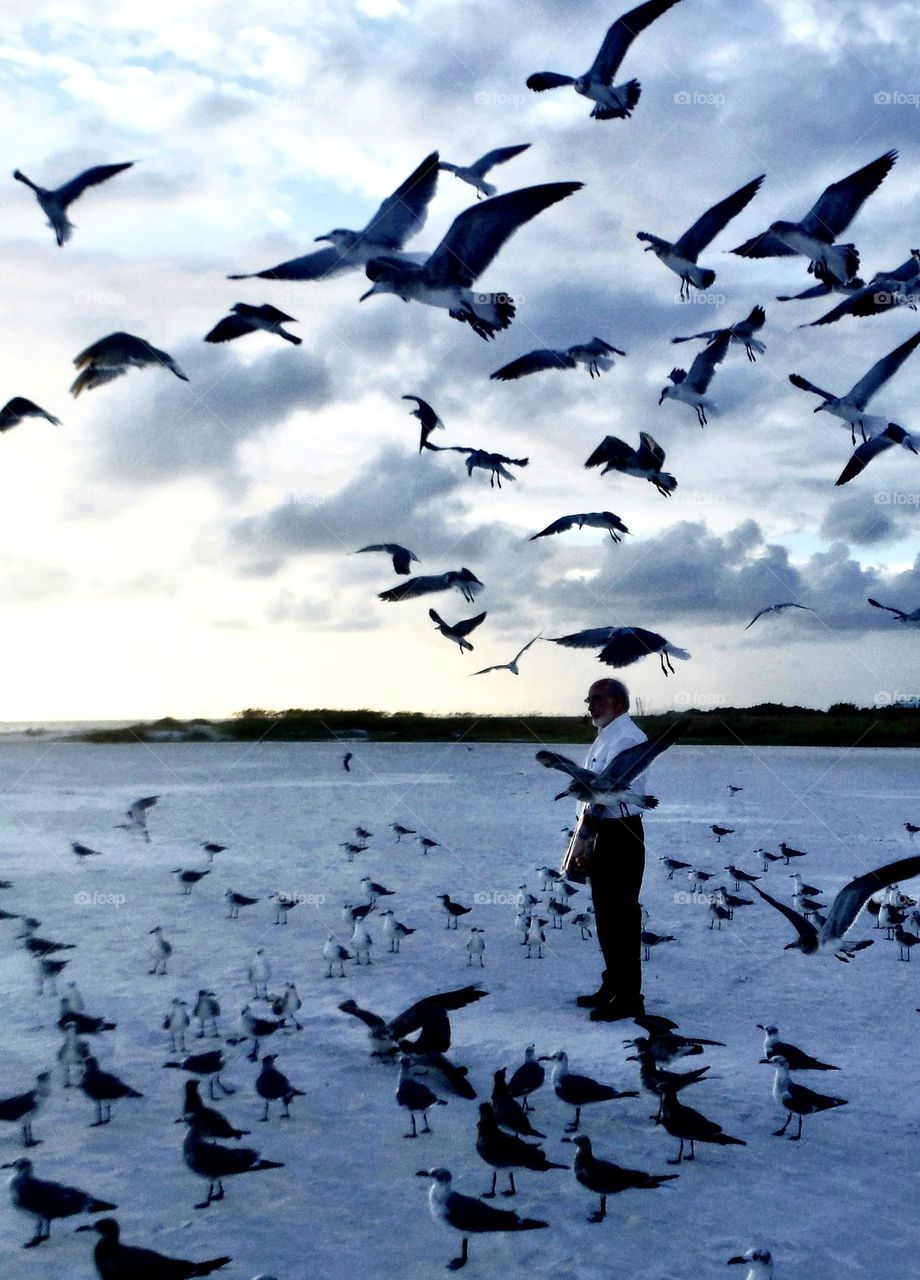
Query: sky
x=186 y=548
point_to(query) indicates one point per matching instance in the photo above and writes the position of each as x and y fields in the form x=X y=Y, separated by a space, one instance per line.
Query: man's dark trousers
x=616 y=869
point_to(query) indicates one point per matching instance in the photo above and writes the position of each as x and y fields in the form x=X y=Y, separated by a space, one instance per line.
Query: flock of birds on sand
x=447 y=279
x=418 y=1041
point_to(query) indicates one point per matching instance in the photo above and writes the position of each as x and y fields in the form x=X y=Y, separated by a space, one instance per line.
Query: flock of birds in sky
x=446 y=279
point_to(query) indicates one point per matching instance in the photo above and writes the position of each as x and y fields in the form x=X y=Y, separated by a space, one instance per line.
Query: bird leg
x=512 y=1189
x=600 y=1214
x=99 y=1120
x=40 y=1235
x=490 y=1194
x=456 y=1263
x=778 y=1133
x=680 y=1153
x=264 y=1115
x=798 y=1136
x=573 y=1127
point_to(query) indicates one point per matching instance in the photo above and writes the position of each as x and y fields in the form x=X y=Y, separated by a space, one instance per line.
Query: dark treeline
x=769 y=723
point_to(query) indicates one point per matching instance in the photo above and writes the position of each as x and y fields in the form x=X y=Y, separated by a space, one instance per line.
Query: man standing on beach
x=616 y=862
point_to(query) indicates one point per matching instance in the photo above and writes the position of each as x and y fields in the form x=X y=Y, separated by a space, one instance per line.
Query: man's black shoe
x=617 y=1010
x=595 y=1000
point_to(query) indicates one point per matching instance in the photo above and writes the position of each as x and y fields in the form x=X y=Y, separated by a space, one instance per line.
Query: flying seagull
x=622 y=646
x=691 y=387
x=815 y=235
x=886 y=290
x=402 y=556
x=593 y=519
x=851 y=406
x=465 y=582
x=742 y=332
x=681 y=256
x=611 y=786
x=869 y=449
x=644 y=463
x=495 y=463
x=511 y=666
x=137 y=816
x=595 y=355
x=775 y=608
x=459 y=631
x=248 y=319
x=475 y=173
x=399 y=218
x=845 y=908
x=911 y=619
x=427 y=417
x=54 y=202
x=18 y=408
x=446 y=278
x=610 y=102
x=113 y=356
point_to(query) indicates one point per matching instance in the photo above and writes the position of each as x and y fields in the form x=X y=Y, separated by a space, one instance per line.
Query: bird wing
x=527 y=646
x=806 y=931
x=863 y=455
x=403 y=213
x=534 y=362
x=853 y=897
x=466 y=1214
x=787 y=604
x=707 y=333
x=21 y=407
x=621 y=35
x=541 y=80
x=427 y=416
x=417 y=1015
x=500 y=155
x=589 y=639
x=766 y=245
x=704 y=364
x=838 y=205
x=754 y=321
x=484 y=671
x=376 y=546
x=714 y=220
x=467 y=625
x=867 y=301
x=553 y=760
x=634 y=760
x=73 y=189
x=562 y=525
x=311 y=266
x=628 y=644
x=228 y=328
x=650 y=455
x=611 y=450
x=372 y=1020
x=804 y=385
x=881 y=371
x=402 y=558
x=899 y=613
x=413 y=587
x=476 y=235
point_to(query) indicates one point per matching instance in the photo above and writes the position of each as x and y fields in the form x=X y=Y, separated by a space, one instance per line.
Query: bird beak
x=731 y=1260
x=819 y=408
x=544 y=1057
x=423 y=1173
x=632 y=1057
x=371 y=290
x=11 y=1164
x=790 y=946
x=566 y=1139
x=317 y=239
x=88 y=1227
x=661 y=399
x=760 y=1026
x=561 y=795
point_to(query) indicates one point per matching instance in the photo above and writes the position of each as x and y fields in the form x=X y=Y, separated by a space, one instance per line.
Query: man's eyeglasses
x=595 y=697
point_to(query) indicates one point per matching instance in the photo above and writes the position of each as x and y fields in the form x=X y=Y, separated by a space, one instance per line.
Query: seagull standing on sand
x=401 y=216
x=427 y=417
x=55 y=201
x=117 y=1261
x=741 y=332
x=457 y=631
x=605 y=1178
x=690 y=388
x=475 y=173
x=44 y=1201
x=210 y=1064
x=21 y=1108
x=815 y=235
x=681 y=256
x=113 y=355
x=796 y=1058
x=528 y=1077
x=775 y=608
x=18 y=408
x=246 y=318
x=415 y=1096
x=259 y=973
x=453 y=910
x=160 y=951
x=463 y=580
x=611 y=102
x=851 y=406
x=177 y=1022
x=103 y=1088
x=596 y=356
x=845 y=908
x=507 y=1151
x=579 y=1091
x=446 y=278
x=691 y=1126
x=796 y=1098
x=468 y=1215
x=511 y=666
x=213 y=1163
x=273 y=1085
x=644 y=463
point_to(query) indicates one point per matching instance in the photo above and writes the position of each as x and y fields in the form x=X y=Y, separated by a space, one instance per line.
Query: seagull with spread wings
x=54 y=201
x=741 y=332
x=851 y=407
x=400 y=216
x=816 y=234
x=611 y=786
x=463 y=580
x=593 y=519
x=611 y=102
x=886 y=290
x=18 y=408
x=871 y=448
x=911 y=619
x=622 y=646
x=446 y=278
x=681 y=256
x=595 y=355
x=475 y=173
x=691 y=387
x=775 y=608
x=459 y=630
x=402 y=556
x=511 y=666
x=644 y=463
x=113 y=355
x=427 y=417
x=845 y=908
x=249 y=319
x=495 y=463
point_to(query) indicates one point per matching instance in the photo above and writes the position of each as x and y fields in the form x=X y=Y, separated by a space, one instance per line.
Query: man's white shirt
x=615 y=737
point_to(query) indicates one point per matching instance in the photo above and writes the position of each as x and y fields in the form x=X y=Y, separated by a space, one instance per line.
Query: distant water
x=39 y=727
